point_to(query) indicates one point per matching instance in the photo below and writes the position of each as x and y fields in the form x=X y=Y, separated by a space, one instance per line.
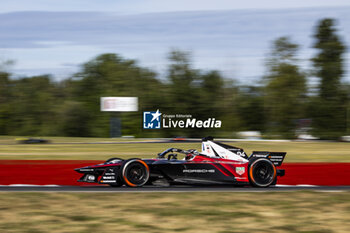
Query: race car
x=216 y=164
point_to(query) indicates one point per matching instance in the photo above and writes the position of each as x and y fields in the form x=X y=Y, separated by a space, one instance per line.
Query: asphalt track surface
x=177 y=188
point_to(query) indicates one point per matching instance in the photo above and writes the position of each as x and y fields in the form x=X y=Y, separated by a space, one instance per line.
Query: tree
x=33 y=104
x=73 y=120
x=251 y=108
x=329 y=119
x=182 y=96
x=285 y=88
x=112 y=75
x=181 y=77
x=211 y=95
x=5 y=105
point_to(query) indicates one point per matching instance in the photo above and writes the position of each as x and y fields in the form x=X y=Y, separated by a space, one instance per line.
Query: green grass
x=13 y=139
x=296 y=151
x=172 y=212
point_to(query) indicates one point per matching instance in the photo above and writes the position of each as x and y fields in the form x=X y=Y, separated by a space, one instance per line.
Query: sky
x=150 y=6
x=234 y=37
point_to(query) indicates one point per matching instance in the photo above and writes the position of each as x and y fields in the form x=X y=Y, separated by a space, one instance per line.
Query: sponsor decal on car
x=260 y=156
x=86 y=169
x=208 y=149
x=198 y=171
x=91 y=177
x=109 y=174
x=108 y=181
x=240 y=170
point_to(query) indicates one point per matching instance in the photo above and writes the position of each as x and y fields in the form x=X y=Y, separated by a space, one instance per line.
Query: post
x=115 y=126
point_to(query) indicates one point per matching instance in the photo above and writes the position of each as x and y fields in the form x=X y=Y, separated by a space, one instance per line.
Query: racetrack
x=176 y=188
x=61 y=172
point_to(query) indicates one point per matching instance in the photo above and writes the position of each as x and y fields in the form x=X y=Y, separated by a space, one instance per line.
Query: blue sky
x=233 y=37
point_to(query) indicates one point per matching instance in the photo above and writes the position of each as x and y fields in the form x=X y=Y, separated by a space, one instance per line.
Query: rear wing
x=220 y=150
x=217 y=149
x=275 y=157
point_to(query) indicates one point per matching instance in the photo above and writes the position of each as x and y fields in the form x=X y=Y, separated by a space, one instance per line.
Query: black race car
x=32 y=141
x=217 y=163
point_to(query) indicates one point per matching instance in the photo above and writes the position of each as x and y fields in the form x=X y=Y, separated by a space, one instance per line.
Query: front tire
x=262 y=173
x=135 y=173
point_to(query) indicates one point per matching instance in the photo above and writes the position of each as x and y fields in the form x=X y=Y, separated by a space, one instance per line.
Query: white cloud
x=234 y=41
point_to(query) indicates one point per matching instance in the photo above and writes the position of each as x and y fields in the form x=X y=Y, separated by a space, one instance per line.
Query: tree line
x=279 y=105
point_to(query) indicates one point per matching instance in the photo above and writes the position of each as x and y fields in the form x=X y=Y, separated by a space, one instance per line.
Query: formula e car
x=217 y=163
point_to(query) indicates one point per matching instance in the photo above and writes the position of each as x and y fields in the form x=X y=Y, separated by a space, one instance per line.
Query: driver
x=191 y=153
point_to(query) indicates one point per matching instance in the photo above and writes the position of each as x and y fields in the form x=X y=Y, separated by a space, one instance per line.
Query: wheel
x=262 y=173
x=135 y=173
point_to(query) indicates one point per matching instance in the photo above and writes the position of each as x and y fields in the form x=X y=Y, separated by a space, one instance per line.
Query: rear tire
x=135 y=173
x=262 y=173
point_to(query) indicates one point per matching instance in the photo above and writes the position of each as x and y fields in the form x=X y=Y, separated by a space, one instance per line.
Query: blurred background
x=276 y=69
x=267 y=69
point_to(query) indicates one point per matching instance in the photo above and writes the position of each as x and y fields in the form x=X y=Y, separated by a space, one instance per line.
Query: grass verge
x=296 y=151
x=180 y=212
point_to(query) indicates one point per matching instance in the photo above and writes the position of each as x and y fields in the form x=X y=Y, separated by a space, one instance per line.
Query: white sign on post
x=119 y=104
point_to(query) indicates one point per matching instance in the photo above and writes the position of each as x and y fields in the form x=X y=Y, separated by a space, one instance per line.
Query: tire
x=135 y=173
x=262 y=173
